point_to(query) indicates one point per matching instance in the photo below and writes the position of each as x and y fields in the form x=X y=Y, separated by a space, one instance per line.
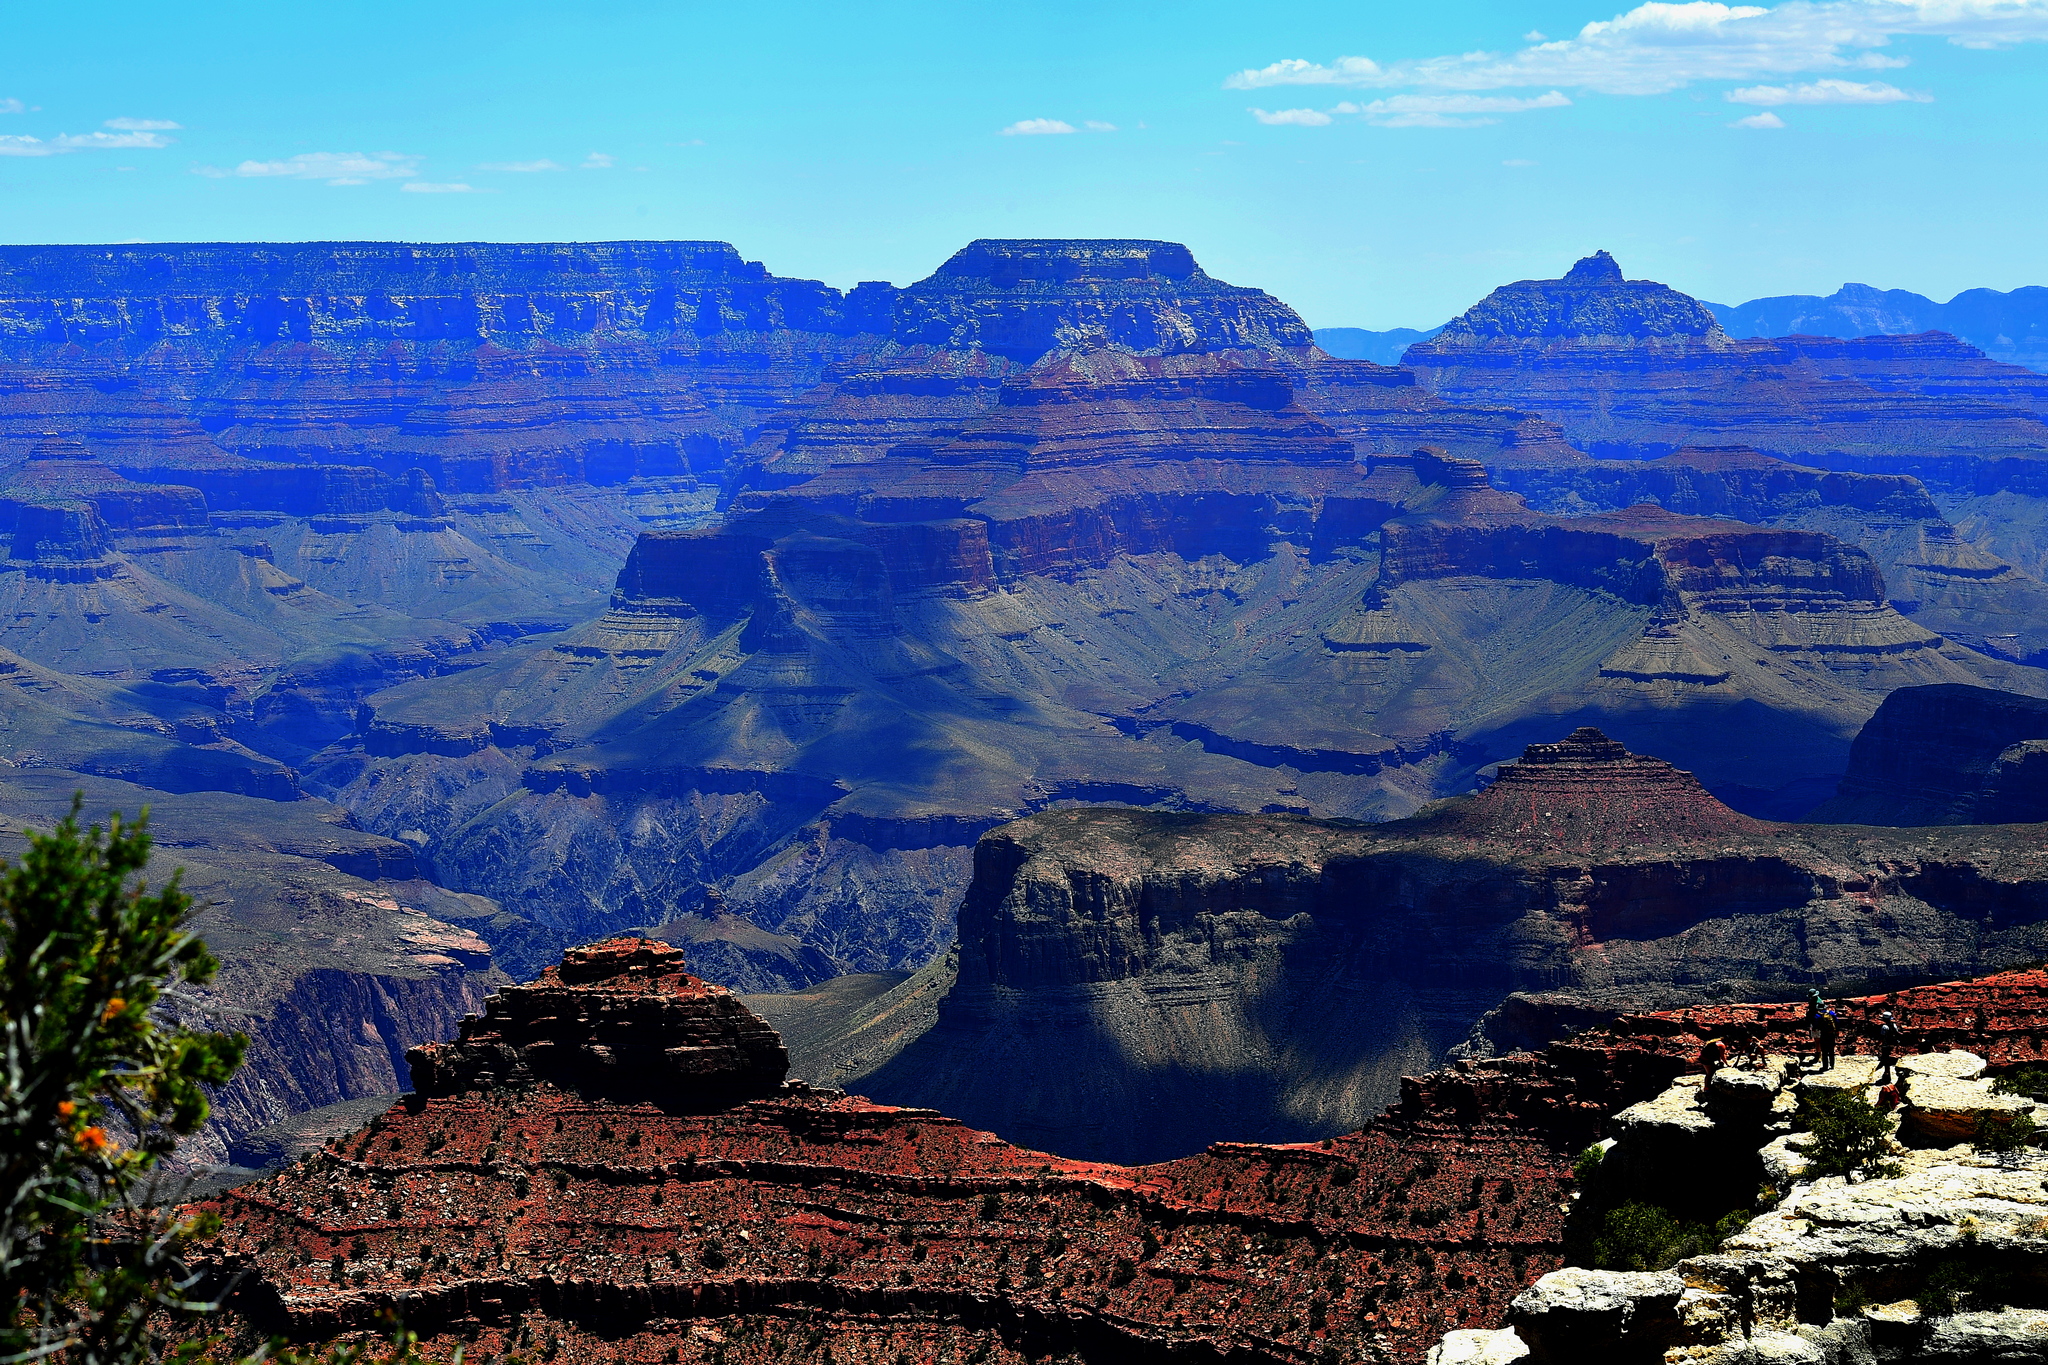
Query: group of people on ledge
x=1825 y=1021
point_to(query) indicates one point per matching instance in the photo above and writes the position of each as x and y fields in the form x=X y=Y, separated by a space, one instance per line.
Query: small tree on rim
x=95 y=1088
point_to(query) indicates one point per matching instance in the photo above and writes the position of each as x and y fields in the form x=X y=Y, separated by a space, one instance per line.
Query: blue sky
x=1374 y=164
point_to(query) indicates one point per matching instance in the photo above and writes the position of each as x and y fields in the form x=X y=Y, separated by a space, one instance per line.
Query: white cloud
x=11 y=106
x=1535 y=35
x=1097 y=126
x=142 y=125
x=13 y=144
x=1659 y=47
x=1035 y=127
x=336 y=168
x=1300 y=118
x=1832 y=90
x=598 y=161
x=429 y=187
x=1763 y=120
x=522 y=167
x=1447 y=111
x=78 y=142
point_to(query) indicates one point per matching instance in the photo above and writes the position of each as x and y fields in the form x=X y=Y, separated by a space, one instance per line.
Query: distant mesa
x=1592 y=300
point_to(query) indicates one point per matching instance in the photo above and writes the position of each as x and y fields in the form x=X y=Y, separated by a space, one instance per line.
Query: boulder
x=1467 y=1347
x=2006 y=1334
x=1854 y=1074
x=1942 y=1111
x=1617 y=1316
x=1784 y=1162
x=1955 y=1066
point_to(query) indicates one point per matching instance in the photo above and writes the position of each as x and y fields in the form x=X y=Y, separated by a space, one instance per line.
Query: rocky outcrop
x=551 y=1214
x=1947 y=755
x=1132 y=985
x=620 y=1019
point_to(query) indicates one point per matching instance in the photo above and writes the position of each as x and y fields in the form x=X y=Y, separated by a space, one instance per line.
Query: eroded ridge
x=620 y=1019
x=501 y=1207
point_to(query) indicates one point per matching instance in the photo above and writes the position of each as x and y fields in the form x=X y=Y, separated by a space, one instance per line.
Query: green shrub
x=2004 y=1137
x=1847 y=1136
x=2031 y=1081
x=1639 y=1236
x=1954 y=1285
x=1588 y=1163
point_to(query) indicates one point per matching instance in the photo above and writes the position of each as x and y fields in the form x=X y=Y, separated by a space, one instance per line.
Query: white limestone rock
x=1466 y=1347
x=1954 y=1066
x=1942 y=1110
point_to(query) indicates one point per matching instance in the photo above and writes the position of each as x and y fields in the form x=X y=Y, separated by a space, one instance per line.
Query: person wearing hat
x=1888 y=1040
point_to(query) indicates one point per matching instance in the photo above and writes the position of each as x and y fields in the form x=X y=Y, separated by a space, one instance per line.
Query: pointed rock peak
x=619 y=1019
x=1598 y=268
x=1587 y=744
x=1586 y=792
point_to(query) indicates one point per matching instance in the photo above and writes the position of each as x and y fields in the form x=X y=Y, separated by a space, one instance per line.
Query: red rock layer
x=534 y=1216
x=532 y=1213
x=1587 y=792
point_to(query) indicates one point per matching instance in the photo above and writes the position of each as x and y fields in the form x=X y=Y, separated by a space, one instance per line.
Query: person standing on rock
x=1826 y=1032
x=1888 y=1040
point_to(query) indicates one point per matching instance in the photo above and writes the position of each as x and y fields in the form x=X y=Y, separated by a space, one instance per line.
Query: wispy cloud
x=430 y=187
x=336 y=168
x=1832 y=90
x=1036 y=127
x=1417 y=111
x=1098 y=126
x=78 y=142
x=598 y=161
x=1299 y=118
x=1447 y=111
x=12 y=106
x=1659 y=47
x=1763 y=120
x=142 y=125
x=14 y=144
x=522 y=167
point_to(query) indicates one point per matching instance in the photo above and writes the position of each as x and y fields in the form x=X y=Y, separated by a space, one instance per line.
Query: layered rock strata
x=1633 y=369
x=1155 y=580
x=534 y=1214
x=1132 y=985
x=537 y=1215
